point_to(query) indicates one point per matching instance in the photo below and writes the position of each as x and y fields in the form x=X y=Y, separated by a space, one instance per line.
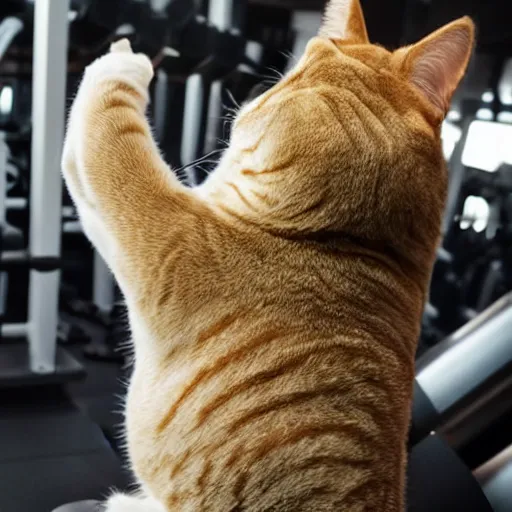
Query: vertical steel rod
x=48 y=118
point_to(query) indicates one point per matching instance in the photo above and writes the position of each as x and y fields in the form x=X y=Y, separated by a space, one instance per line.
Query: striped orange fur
x=275 y=308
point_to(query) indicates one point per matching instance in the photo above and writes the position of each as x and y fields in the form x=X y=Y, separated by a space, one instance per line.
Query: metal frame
x=48 y=114
x=192 y=123
x=220 y=14
x=254 y=51
x=49 y=93
x=465 y=376
x=495 y=477
x=9 y=29
x=4 y=276
x=306 y=25
x=104 y=285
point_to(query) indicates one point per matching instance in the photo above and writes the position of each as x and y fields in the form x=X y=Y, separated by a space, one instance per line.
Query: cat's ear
x=437 y=64
x=344 y=19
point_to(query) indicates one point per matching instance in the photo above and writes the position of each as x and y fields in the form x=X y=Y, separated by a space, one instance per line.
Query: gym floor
x=48 y=452
x=100 y=394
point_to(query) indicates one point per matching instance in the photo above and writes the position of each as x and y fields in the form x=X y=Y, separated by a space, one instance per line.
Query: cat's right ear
x=437 y=64
x=344 y=20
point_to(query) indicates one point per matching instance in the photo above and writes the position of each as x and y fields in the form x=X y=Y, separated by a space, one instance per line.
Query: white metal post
x=220 y=14
x=48 y=117
x=3 y=178
x=4 y=276
x=306 y=26
x=192 y=123
x=103 y=288
x=214 y=116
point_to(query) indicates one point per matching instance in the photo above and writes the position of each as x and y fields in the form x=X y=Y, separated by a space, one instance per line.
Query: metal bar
x=16 y=203
x=72 y=226
x=160 y=104
x=469 y=372
x=3 y=177
x=456 y=178
x=9 y=29
x=20 y=203
x=48 y=115
x=495 y=477
x=68 y=211
x=214 y=117
x=192 y=123
x=493 y=279
x=306 y=26
x=14 y=330
x=103 y=284
x=4 y=276
x=8 y=256
x=22 y=259
x=220 y=14
x=254 y=52
x=4 y=289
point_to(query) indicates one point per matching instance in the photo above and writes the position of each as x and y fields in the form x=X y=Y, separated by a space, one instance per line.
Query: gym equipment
x=42 y=359
x=476 y=270
x=438 y=480
x=494 y=477
x=464 y=388
x=465 y=378
x=201 y=51
x=9 y=29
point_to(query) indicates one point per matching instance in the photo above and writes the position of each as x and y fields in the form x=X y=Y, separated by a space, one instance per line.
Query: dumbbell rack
x=42 y=361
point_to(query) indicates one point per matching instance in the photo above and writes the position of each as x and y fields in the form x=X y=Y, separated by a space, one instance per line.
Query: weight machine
x=42 y=361
x=211 y=47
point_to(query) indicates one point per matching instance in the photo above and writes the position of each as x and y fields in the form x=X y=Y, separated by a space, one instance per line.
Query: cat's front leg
x=128 y=200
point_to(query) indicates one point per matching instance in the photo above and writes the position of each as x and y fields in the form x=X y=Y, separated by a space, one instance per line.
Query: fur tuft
x=344 y=20
x=335 y=19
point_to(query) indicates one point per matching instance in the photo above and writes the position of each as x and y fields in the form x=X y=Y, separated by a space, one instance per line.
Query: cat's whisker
x=269 y=80
x=278 y=73
x=232 y=98
x=198 y=161
x=232 y=110
x=206 y=171
x=226 y=117
x=223 y=142
x=289 y=55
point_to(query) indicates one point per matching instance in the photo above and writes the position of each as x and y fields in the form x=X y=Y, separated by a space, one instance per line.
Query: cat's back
x=275 y=395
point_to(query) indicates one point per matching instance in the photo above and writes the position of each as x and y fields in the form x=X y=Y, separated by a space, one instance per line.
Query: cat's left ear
x=437 y=64
x=344 y=20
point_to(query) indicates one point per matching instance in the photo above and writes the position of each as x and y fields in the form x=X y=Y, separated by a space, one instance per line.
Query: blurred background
x=63 y=344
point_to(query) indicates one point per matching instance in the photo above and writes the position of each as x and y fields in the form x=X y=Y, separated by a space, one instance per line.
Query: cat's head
x=348 y=142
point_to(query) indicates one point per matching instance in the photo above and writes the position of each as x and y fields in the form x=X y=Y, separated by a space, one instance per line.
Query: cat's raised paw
x=121 y=46
x=120 y=65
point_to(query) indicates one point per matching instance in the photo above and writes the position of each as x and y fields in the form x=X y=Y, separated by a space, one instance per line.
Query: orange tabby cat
x=274 y=309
